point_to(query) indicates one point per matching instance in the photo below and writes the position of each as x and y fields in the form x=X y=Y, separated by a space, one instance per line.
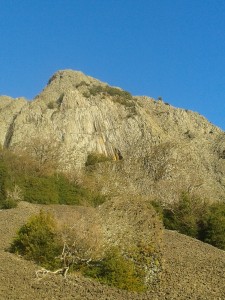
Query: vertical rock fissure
x=9 y=133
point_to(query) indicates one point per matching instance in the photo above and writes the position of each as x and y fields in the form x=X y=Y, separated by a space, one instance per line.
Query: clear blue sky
x=169 y=48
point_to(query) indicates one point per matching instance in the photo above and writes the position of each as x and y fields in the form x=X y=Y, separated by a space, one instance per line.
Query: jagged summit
x=70 y=78
x=154 y=148
x=65 y=82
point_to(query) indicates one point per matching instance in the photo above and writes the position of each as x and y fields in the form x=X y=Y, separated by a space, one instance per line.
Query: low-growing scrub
x=13 y=196
x=112 y=91
x=41 y=190
x=8 y=204
x=94 y=158
x=51 y=105
x=58 y=189
x=22 y=179
x=120 y=96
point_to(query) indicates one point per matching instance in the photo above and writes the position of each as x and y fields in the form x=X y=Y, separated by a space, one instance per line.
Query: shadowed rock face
x=156 y=149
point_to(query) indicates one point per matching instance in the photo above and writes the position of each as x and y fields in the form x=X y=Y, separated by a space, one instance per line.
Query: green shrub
x=72 y=193
x=86 y=94
x=214 y=227
x=185 y=216
x=37 y=240
x=97 y=199
x=94 y=158
x=58 y=189
x=118 y=95
x=82 y=83
x=117 y=92
x=9 y=203
x=96 y=89
x=51 y=105
x=68 y=192
x=115 y=270
x=158 y=208
x=197 y=218
x=41 y=190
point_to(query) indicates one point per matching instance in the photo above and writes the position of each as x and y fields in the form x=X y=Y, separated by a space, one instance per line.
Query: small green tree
x=38 y=240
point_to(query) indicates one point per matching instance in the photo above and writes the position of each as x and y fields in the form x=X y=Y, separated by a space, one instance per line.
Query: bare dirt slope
x=193 y=270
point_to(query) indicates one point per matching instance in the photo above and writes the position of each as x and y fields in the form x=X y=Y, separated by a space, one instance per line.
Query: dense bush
x=58 y=189
x=72 y=193
x=115 y=270
x=197 y=218
x=214 y=230
x=38 y=240
x=40 y=190
x=8 y=203
x=185 y=215
x=51 y=105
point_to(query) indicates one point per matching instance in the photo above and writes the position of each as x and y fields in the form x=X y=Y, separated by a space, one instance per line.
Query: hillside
x=193 y=270
x=155 y=149
x=103 y=170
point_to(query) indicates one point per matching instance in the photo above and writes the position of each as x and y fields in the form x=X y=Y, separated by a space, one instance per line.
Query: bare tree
x=82 y=243
x=15 y=194
x=45 y=151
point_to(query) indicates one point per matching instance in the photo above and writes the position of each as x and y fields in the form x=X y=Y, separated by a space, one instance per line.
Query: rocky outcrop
x=132 y=225
x=156 y=149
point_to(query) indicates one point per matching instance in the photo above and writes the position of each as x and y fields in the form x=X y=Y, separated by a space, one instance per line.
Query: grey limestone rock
x=156 y=149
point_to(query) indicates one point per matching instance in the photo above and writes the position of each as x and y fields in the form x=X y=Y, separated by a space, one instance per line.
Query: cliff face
x=155 y=149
